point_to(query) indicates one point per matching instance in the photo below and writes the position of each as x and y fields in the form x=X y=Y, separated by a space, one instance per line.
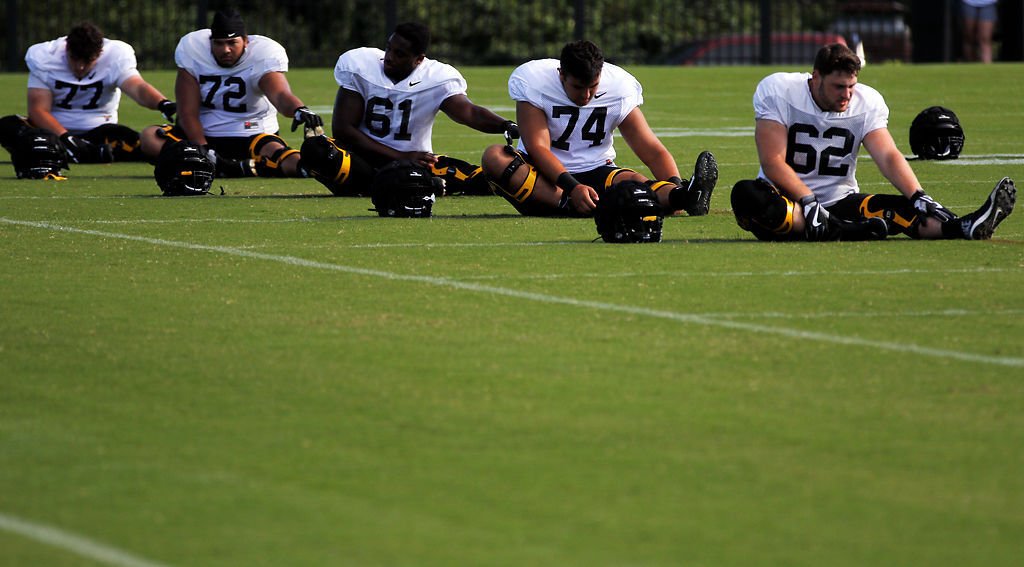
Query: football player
x=567 y=110
x=387 y=102
x=808 y=130
x=230 y=87
x=74 y=89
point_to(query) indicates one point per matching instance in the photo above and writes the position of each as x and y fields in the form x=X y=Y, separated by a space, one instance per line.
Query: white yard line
x=695 y=319
x=73 y=543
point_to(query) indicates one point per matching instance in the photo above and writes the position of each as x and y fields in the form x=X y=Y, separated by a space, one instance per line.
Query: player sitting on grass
x=808 y=130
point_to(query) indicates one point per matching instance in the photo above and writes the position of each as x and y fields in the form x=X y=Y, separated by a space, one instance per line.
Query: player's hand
x=168 y=109
x=511 y=130
x=584 y=199
x=816 y=219
x=928 y=207
x=307 y=118
x=423 y=158
x=80 y=150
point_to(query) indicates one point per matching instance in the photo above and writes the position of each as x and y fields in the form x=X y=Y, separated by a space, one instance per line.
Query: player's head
x=834 y=77
x=84 y=44
x=580 y=70
x=227 y=37
x=406 y=48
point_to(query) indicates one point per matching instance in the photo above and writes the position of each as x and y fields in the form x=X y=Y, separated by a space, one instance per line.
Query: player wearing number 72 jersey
x=230 y=87
x=808 y=130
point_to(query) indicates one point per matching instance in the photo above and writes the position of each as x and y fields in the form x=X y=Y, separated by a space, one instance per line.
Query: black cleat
x=705 y=175
x=980 y=224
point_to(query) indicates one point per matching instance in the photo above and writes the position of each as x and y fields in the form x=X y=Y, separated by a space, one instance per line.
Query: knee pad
x=895 y=210
x=760 y=209
x=123 y=141
x=461 y=177
x=338 y=170
x=11 y=128
x=519 y=194
x=260 y=140
x=270 y=166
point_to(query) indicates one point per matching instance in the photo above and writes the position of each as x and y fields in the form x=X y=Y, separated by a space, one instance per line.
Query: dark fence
x=482 y=32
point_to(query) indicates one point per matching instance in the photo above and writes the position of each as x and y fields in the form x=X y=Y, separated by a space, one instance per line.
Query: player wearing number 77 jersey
x=387 y=102
x=567 y=109
x=808 y=130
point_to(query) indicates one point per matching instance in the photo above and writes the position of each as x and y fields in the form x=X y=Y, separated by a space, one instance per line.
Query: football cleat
x=980 y=224
x=705 y=175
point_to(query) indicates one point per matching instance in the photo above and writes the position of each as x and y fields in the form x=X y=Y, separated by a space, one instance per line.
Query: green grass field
x=274 y=377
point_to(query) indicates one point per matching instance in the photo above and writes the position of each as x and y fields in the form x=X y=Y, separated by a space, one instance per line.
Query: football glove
x=306 y=117
x=816 y=219
x=168 y=109
x=80 y=150
x=926 y=206
x=511 y=129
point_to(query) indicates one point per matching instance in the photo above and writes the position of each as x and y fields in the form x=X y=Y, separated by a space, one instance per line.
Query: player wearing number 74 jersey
x=567 y=109
x=808 y=130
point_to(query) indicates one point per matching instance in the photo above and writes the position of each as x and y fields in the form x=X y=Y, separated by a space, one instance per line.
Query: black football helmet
x=183 y=169
x=628 y=211
x=38 y=154
x=936 y=134
x=405 y=189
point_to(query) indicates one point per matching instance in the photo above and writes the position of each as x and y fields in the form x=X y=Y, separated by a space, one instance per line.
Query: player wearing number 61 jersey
x=387 y=102
x=230 y=87
x=808 y=131
x=567 y=110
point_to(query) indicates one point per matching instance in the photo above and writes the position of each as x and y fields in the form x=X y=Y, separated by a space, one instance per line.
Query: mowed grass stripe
x=552 y=299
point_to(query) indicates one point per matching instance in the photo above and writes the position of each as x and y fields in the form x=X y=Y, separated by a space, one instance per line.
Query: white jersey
x=81 y=104
x=399 y=115
x=581 y=136
x=231 y=102
x=822 y=146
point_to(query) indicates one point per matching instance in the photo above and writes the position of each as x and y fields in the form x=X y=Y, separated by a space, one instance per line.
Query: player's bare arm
x=890 y=161
x=533 y=128
x=770 y=139
x=645 y=144
x=186 y=92
x=460 y=109
x=275 y=85
x=40 y=101
x=142 y=92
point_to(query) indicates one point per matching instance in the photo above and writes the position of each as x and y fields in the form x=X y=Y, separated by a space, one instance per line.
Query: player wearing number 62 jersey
x=230 y=87
x=387 y=102
x=567 y=110
x=74 y=90
x=808 y=131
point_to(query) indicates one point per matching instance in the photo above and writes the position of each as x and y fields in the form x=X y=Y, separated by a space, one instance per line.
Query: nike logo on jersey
x=599 y=95
x=414 y=83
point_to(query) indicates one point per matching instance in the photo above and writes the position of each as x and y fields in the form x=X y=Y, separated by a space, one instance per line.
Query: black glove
x=511 y=129
x=80 y=150
x=168 y=109
x=306 y=117
x=816 y=219
x=928 y=207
